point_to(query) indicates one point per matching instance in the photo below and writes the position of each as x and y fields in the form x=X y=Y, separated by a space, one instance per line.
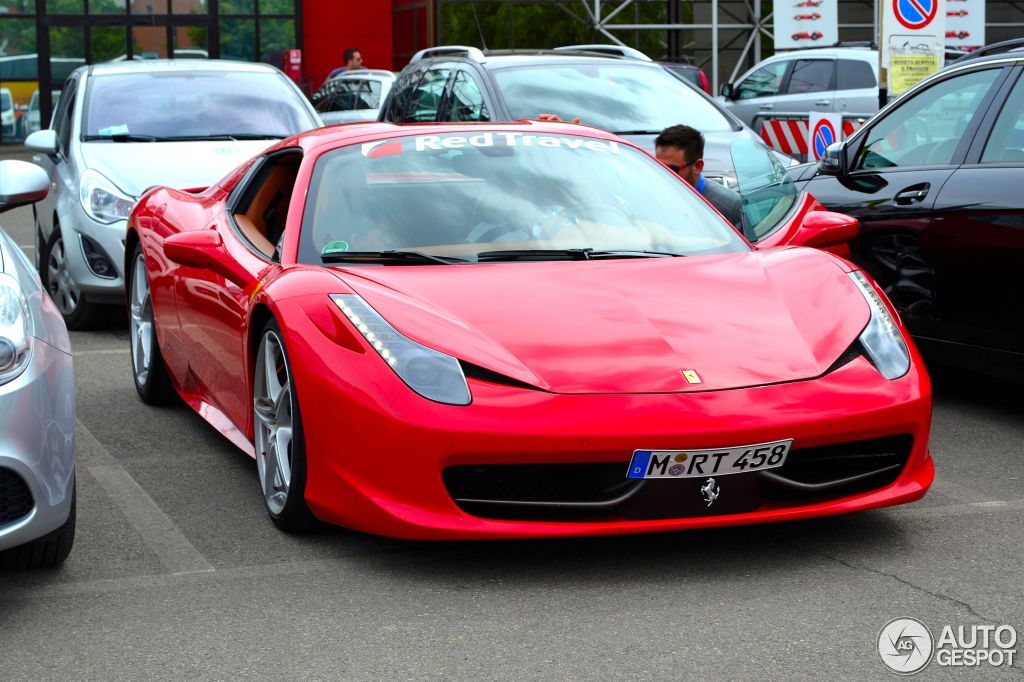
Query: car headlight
x=881 y=338
x=16 y=329
x=102 y=200
x=430 y=373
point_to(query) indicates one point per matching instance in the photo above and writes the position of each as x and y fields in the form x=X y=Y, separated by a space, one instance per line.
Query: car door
x=976 y=246
x=63 y=184
x=212 y=308
x=900 y=161
x=758 y=92
x=856 y=87
x=809 y=86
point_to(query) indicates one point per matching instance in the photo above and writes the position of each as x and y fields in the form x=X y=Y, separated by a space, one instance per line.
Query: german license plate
x=718 y=462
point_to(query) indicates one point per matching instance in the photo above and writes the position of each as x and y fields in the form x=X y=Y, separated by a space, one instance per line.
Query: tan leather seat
x=254 y=235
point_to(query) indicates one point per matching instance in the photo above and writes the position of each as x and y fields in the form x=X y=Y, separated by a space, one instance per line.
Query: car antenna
x=483 y=43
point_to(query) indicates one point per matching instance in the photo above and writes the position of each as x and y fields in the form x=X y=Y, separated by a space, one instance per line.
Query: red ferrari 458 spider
x=522 y=330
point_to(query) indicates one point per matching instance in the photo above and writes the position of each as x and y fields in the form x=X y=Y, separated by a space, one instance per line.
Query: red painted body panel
x=604 y=340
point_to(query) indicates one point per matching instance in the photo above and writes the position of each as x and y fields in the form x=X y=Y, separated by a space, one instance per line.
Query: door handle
x=822 y=103
x=766 y=107
x=914 y=195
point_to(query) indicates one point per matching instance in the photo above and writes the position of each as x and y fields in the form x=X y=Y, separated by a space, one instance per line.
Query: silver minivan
x=842 y=80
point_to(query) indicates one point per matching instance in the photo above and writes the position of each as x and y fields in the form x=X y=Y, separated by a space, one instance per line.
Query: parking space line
x=986 y=507
x=101 y=351
x=175 y=553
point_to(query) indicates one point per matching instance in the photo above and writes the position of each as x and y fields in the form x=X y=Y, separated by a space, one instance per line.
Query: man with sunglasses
x=681 y=148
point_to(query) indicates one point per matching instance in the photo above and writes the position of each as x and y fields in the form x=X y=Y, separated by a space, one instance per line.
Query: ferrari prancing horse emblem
x=710 y=490
x=690 y=375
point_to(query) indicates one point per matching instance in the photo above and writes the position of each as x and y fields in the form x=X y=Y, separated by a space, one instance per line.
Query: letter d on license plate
x=719 y=462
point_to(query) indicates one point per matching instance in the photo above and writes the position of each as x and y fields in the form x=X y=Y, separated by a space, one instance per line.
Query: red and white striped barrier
x=789 y=135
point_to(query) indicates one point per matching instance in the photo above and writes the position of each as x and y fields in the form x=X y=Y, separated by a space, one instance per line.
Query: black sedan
x=937 y=181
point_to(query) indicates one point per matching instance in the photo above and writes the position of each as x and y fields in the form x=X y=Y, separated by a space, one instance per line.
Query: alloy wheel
x=62 y=288
x=141 y=322
x=272 y=407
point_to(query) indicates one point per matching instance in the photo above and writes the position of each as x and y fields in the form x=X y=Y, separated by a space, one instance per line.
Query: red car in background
x=495 y=331
x=814 y=16
x=804 y=35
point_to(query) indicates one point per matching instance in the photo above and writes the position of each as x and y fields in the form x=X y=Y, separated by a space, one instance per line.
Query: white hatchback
x=123 y=127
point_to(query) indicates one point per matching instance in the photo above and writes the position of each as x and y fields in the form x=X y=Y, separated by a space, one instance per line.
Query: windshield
x=466 y=194
x=5 y=101
x=194 y=104
x=616 y=96
x=764 y=186
x=348 y=95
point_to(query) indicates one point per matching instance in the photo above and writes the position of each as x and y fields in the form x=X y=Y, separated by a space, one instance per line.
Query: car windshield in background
x=764 y=186
x=612 y=96
x=493 y=196
x=350 y=95
x=5 y=101
x=168 y=106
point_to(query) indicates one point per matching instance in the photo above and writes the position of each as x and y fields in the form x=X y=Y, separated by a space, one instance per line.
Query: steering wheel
x=549 y=225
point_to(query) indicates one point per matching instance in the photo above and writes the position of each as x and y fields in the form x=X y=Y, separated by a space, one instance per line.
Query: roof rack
x=473 y=53
x=616 y=50
x=994 y=48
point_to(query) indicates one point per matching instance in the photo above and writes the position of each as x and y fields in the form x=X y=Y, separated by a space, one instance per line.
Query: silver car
x=122 y=127
x=353 y=96
x=37 y=400
x=842 y=80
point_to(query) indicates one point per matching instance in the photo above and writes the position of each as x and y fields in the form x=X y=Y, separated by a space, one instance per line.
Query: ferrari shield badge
x=710 y=490
x=691 y=376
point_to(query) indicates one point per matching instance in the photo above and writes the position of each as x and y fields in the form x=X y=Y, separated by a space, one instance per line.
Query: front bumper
x=37 y=452
x=377 y=453
x=77 y=224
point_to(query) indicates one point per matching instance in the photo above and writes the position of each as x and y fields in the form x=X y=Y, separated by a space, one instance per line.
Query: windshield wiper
x=390 y=258
x=636 y=132
x=123 y=137
x=569 y=254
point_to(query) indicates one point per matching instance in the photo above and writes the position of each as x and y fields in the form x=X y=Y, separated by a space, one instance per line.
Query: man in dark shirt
x=681 y=148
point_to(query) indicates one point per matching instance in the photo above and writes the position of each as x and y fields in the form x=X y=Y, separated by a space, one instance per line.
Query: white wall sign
x=965 y=23
x=805 y=23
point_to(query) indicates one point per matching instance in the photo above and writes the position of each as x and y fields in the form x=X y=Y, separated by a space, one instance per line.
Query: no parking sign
x=823 y=131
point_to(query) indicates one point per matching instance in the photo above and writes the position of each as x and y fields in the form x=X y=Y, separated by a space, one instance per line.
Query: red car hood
x=629 y=326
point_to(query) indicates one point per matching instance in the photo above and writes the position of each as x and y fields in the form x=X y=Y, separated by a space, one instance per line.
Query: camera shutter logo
x=905 y=645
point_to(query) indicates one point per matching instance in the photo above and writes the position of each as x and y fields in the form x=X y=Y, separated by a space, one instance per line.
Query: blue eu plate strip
x=638 y=466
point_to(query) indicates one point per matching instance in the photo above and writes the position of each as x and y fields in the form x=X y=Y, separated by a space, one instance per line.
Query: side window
x=425 y=99
x=853 y=74
x=398 y=101
x=262 y=212
x=764 y=82
x=64 y=116
x=811 y=75
x=1006 y=143
x=467 y=99
x=927 y=128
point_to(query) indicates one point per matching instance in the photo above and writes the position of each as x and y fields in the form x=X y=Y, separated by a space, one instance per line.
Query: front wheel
x=77 y=311
x=151 y=380
x=278 y=441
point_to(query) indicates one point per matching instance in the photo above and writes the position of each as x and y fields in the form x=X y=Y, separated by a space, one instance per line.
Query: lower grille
x=601 y=491
x=15 y=497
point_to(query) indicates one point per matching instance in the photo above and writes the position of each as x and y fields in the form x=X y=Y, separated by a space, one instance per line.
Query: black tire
x=50 y=550
x=295 y=517
x=83 y=315
x=154 y=385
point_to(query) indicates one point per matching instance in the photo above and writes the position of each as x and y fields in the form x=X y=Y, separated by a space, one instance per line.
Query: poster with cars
x=965 y=24
x=805 y=23
x=913 y=41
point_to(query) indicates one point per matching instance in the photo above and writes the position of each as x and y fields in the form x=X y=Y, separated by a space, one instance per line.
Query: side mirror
x=833 y=161
x=821 y=229
x=21 y=183
x=205 y=249
x=726 y=90
x=43 y=141
x=195 y=248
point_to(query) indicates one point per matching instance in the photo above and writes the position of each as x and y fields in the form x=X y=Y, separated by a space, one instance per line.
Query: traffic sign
x=824 y=130
x=915 y=14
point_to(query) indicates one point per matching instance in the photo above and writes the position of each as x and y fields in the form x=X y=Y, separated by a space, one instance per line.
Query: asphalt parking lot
x=178 y=573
